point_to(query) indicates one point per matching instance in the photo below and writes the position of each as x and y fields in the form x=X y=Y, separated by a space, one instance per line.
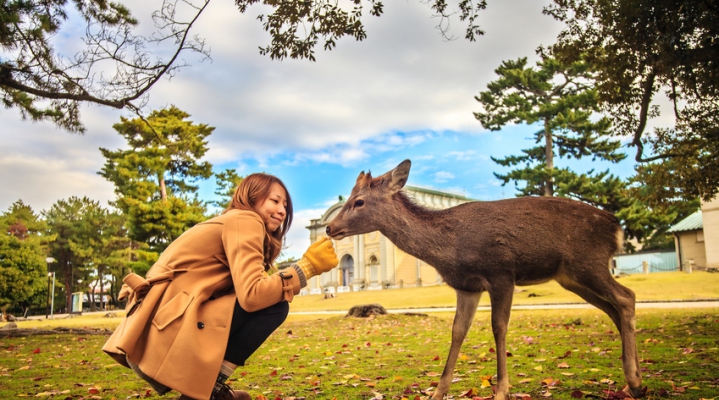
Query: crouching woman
x=208 y=302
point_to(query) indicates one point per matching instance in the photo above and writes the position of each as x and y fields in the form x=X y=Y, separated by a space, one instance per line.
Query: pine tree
x=561 y=101
x=227 y=182
x=154 y=179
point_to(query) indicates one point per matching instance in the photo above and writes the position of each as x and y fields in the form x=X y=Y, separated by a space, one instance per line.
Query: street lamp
x=49 y=261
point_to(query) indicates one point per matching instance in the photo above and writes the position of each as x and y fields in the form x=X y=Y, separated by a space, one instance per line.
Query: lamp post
x=47 y=302
x=50 y=288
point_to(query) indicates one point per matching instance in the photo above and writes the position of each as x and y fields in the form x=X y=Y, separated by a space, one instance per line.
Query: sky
x=403 y=93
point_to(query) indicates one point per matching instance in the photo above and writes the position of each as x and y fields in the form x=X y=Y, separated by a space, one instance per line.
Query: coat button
x=200 y=325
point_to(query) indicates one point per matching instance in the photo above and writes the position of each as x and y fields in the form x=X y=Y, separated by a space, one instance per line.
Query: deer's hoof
x=635 y=393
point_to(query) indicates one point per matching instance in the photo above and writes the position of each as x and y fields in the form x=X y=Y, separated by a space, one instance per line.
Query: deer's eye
x=359 y=203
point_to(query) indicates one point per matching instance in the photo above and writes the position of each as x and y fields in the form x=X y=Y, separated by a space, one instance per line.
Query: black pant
x=250 y=329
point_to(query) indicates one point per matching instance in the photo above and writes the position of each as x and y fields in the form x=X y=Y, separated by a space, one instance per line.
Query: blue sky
x=404 y=92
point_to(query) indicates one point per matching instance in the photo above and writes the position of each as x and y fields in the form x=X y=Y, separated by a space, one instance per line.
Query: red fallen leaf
x=469 y=393
x=509 y=354
x=345 y=345
x=663 y=393
x=148 y=392
x=80 y=339
x=368 y=344
x=36 y=351
x=273 y=373
x=289 y=332
x=566 y=354
x=93 y=390
x=38 y=378
x=491 y=350
x=243 y=373
x=577 y=394
x=434 y=384
x=436 y=358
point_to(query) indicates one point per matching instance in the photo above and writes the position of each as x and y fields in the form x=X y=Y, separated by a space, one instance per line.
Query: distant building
x=371 y=261
x=696 y=238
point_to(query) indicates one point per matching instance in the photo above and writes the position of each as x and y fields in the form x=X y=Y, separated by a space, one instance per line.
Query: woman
x=209 y=302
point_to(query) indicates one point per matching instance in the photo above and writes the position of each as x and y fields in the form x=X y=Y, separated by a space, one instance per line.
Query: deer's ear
x=363 y=179
x=399 y=175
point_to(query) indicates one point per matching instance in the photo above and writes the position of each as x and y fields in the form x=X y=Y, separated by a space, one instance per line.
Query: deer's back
x=531 y=238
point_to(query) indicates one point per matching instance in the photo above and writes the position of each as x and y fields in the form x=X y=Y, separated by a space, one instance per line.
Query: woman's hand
x=320 y=257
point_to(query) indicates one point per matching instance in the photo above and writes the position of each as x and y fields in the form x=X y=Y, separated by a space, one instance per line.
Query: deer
x=494 y=246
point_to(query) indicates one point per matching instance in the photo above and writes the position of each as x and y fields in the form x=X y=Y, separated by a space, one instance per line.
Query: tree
x=560 y=99
x=23 y=267
x=79 y=226
x=643 y=49
x=227 y=181
x=115 y=68
x=154 y=178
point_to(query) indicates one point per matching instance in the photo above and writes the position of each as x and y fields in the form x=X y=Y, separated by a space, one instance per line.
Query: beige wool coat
x=179 y=316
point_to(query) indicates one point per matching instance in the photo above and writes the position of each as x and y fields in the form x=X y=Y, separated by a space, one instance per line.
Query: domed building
x=371 y=261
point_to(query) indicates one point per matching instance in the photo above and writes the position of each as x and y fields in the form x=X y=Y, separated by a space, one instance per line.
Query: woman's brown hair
x=251 y=192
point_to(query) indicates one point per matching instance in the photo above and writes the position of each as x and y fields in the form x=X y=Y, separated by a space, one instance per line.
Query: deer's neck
x=418 y=231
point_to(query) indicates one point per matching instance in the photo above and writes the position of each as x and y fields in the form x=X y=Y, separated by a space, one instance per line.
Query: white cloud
x=443 y=176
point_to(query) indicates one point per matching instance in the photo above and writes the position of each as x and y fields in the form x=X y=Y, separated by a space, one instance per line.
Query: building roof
x=690 y=223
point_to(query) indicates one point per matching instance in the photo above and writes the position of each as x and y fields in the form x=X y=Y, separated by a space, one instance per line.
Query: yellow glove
x=320 y=257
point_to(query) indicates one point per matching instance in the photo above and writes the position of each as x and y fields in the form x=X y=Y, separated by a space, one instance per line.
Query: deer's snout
x=328 y=230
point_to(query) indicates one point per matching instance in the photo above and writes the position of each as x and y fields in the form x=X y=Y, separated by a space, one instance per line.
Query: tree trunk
x=549 y=154
x=163 y=189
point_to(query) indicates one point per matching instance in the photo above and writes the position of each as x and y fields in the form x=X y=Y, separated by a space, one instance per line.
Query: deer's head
x=369 y=204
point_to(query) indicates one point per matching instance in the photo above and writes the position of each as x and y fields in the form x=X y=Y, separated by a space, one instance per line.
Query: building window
x=700 y=236
x=347 y=267
x=373 y=269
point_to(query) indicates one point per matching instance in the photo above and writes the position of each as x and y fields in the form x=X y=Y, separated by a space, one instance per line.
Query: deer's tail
x=620 y=239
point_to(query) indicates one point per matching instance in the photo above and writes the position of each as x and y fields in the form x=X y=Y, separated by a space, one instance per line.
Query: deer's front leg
x=466 y=308
x=500 y=294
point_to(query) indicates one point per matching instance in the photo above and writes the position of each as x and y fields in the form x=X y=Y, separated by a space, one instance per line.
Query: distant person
x=209 y=302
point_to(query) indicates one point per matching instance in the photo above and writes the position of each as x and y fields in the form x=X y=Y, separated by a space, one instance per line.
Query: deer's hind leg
x=463 y=317
x=500 y=294
x=618 y=302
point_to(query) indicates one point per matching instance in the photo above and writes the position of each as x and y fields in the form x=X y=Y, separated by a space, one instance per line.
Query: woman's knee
x=281 y=310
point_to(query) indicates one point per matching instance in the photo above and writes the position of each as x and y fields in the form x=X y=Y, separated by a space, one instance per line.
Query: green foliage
x=87 y=237
x=33 y=78
x=561 y=100
x=154 y=178
x=227 y=181
x=643 y=50
x=23 y=270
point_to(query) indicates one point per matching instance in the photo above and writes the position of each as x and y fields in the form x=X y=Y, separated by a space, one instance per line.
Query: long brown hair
x=251 y=192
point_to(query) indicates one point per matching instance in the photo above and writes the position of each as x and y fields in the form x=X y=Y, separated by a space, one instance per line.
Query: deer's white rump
x=493 y=246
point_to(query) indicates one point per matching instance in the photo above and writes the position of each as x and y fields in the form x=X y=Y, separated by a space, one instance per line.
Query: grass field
x=652 y=287
x=553 y=353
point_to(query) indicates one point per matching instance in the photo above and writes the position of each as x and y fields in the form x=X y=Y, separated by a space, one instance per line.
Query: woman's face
x=273 y=208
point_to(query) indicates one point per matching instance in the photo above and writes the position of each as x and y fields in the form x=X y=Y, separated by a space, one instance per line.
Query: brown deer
x=493 y=246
